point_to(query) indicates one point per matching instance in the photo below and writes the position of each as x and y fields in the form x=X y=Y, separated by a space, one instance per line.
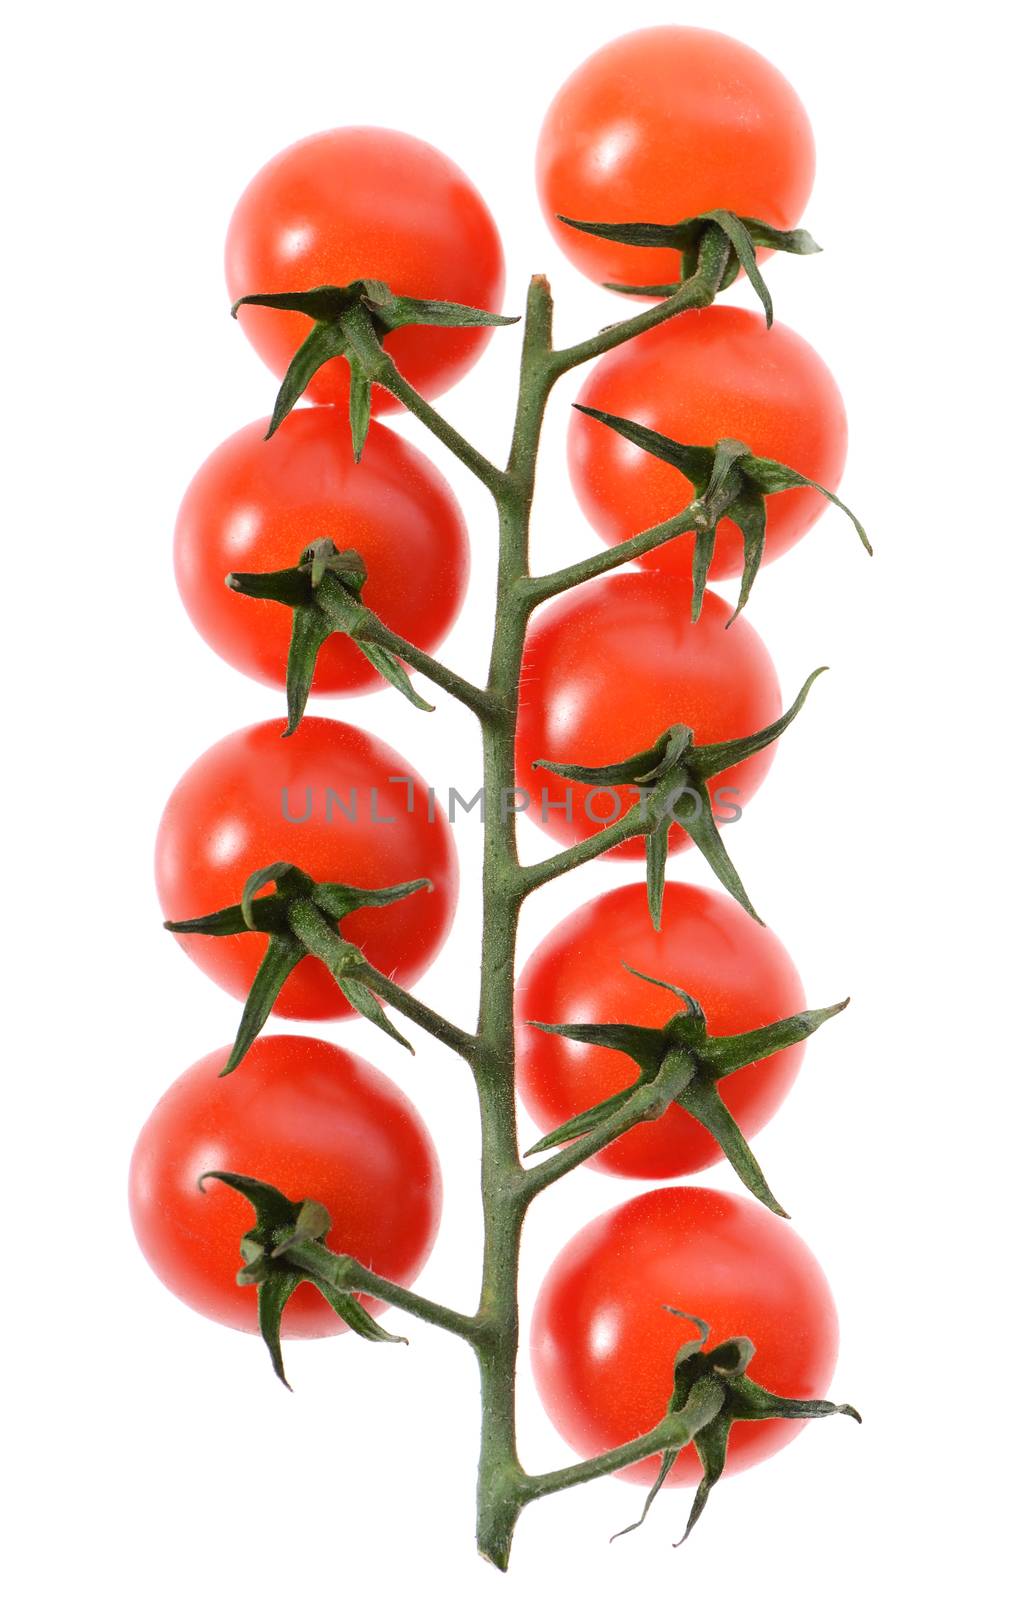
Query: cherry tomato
x=317 y=1122
x=736 y=969
x=608 y=668
x=332 y=800
x=365 y=203
x=253 y=507
x=603 y=1346
x=707 y=375
x=664 y=124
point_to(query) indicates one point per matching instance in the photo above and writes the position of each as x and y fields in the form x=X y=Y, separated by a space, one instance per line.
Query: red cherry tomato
x=614 y=663
x=705 y=376
x=664 y=124
x=253 y=507
x=317 y=1122
x=736 y=969
x=603 y=1346
x=365 y=203
x=318 y=800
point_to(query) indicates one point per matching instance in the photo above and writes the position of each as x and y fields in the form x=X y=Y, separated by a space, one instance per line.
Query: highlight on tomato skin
x=663 y=124
x=736 y=969
x=705 y=376
x=610 y=666
x=317 y=799
x=255 y=507
x=365 y=202
x=317 y=1122
x=603 y=1346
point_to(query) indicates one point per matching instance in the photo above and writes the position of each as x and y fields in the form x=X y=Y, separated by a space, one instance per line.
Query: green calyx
x=729 y=482
x=722 y=1369
x=683 y=1064
x=672 y=777
x=351 y=320
x=302 y=918
x=743 y=237
x=323 y=592
x=281 y=1224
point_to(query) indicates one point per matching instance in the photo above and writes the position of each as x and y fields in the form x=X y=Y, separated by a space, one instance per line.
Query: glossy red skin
x=317 y=1122
x=707 y=375
x=254 y=506
x=610 y=666
x=738 y=971
x=365 y=202
x=663 y=124
x=603 y=1347
x=224 y=821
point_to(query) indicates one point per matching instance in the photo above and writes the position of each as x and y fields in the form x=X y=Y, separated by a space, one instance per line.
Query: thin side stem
x=469 y=694
x=349 y=1275
x=673 y=1433
x=549 y=584
x=389 y=377
x=694 y=295
x=627 y=827
x=643 y=1106
x=447 y=1033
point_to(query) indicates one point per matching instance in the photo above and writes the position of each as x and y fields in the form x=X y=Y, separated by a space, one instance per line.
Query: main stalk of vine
x=507 y=1187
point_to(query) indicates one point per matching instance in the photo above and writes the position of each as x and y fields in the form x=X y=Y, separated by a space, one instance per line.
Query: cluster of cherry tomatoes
x=660 y=125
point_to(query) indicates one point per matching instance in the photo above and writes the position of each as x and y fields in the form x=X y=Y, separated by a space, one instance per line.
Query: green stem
x=459 y=688
x=507 y=1189
x=347 y=1274
x=389 y=377
x=499 y=1497
x=673 y=1433
x=549 y=584
x=694 y=295
x=645 y=1104
x=447 y=1033
x=629 y=826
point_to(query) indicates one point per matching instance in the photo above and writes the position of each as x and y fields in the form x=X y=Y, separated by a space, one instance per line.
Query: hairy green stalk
x=507 y=1187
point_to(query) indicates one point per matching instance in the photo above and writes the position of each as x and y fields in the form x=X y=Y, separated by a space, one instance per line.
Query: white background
x=153 y=1452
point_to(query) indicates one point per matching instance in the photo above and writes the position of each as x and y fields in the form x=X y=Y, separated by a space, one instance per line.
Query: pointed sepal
x=282 y=957
x=709 y=760
x=323 y=343
x=721 y=1371
x=671 y=777
x=693 y=811
x=729 y=482
x=281 y=1224
x=323 y=591
x=743 y=237
x=774 y=477
x=391 y=311
x=682 y=1064
x=727 y=1053
x=351 y=321
x=301 y=918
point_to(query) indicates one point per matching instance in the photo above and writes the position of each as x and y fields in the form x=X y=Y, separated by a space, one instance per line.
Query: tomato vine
x=679 y=1063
